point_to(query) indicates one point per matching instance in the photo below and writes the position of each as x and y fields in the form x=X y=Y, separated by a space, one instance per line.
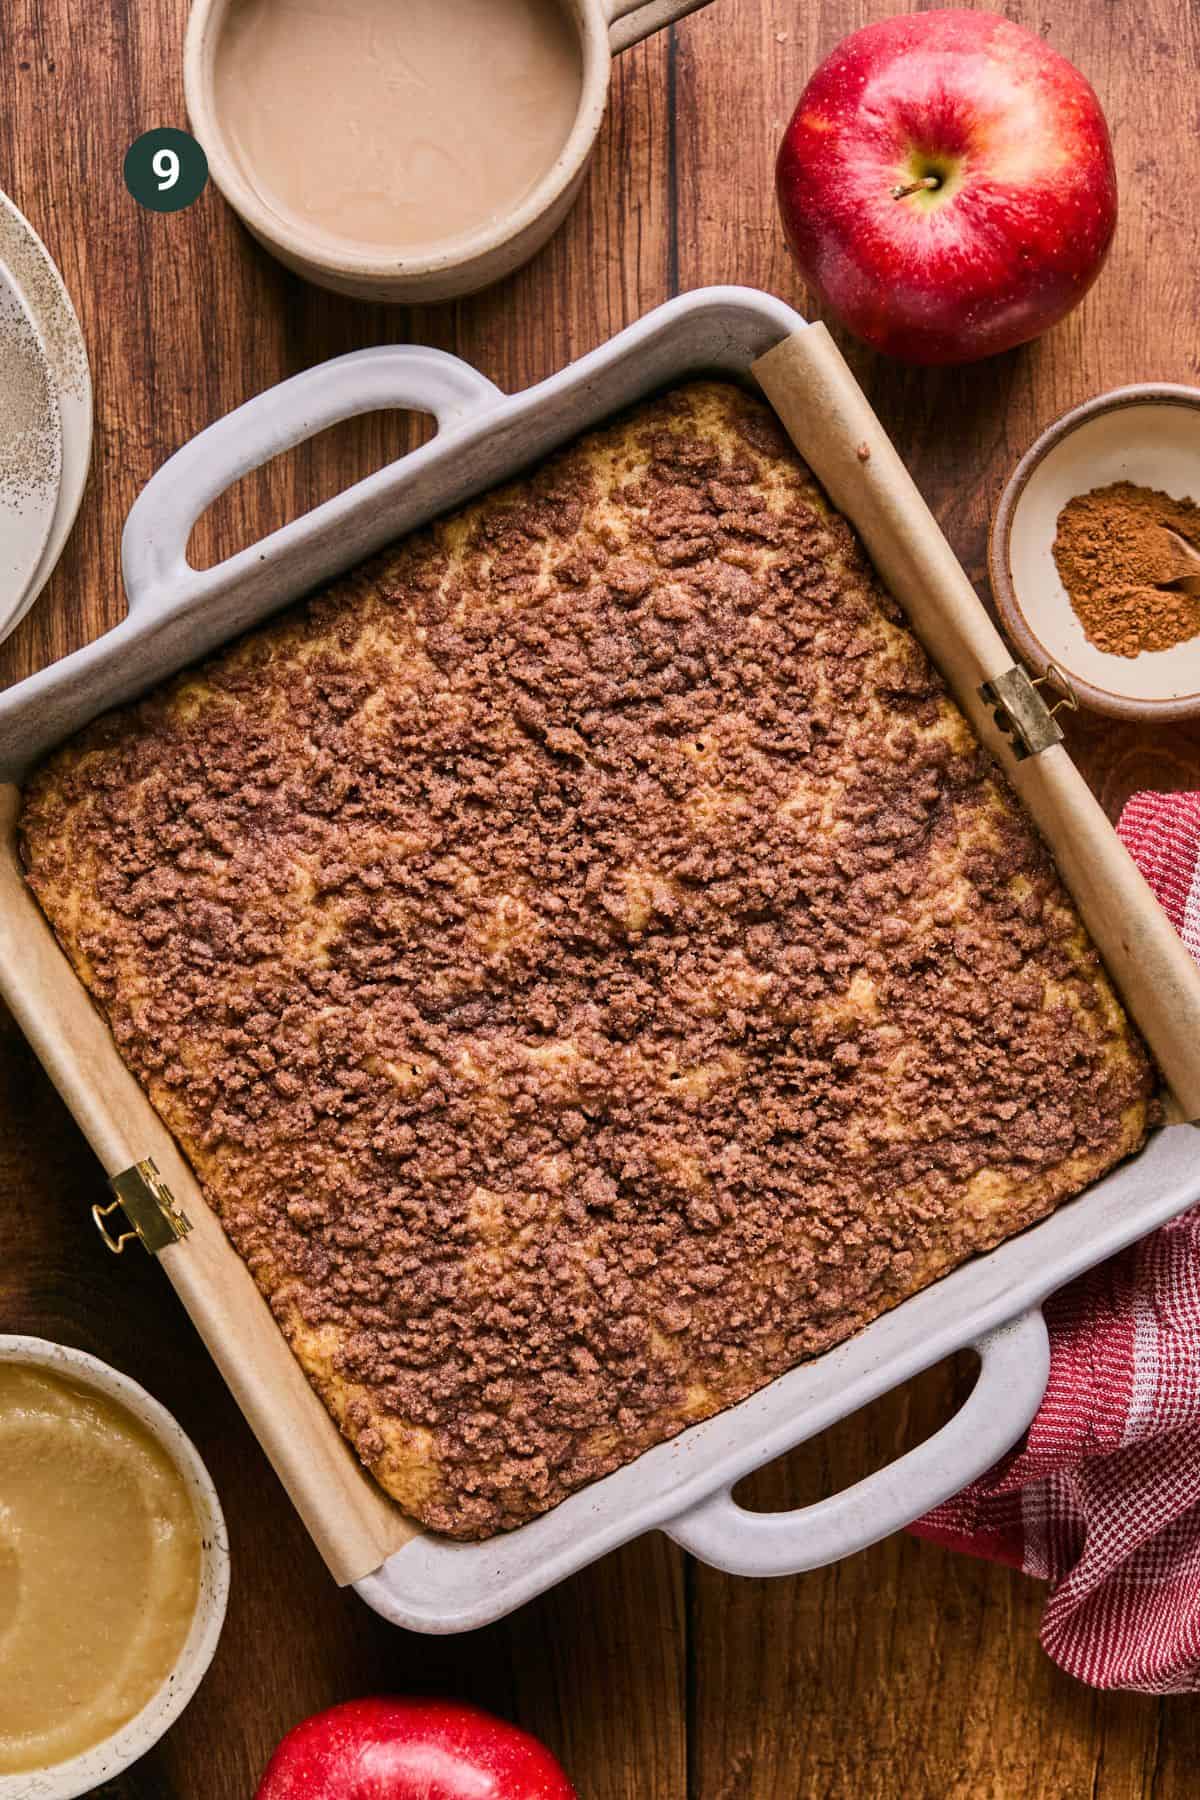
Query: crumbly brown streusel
x=588 y=960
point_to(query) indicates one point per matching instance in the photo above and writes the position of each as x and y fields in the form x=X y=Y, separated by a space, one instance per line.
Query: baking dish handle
x=1015 y=1366
x=414 y=377
x=629 y=21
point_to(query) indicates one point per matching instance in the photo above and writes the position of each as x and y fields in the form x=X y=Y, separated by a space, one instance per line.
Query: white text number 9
x=166 y=167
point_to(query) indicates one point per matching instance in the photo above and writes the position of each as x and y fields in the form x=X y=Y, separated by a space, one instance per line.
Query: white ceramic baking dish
x=684 y=1487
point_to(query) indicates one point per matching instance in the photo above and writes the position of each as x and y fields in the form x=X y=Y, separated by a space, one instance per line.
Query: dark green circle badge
x=165 y=169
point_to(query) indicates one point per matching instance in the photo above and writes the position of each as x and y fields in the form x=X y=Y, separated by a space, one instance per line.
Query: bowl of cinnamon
x=1094 y=552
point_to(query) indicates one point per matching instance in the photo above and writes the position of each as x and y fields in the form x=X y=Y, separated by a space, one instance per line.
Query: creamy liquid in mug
x=397 y=123
x=99 y=1567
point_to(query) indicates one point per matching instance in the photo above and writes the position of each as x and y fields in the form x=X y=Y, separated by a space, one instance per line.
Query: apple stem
x=915 y=187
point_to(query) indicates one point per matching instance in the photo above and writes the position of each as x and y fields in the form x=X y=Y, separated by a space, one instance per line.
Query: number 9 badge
x=165 y=170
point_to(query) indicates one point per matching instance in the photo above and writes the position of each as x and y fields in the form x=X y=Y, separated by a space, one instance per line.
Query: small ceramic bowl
x=456 y=266
x=1148 y=434
x=79 y=1775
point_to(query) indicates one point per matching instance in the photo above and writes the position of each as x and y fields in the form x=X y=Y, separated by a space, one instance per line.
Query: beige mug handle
x=629 y=21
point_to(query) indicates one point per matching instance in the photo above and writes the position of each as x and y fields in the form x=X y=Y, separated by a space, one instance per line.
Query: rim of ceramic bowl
x=80 y=1774
x=345 y=257
x=1013 y=616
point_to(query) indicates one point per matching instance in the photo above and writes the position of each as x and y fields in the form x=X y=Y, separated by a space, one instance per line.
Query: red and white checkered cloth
x=1102 y=1499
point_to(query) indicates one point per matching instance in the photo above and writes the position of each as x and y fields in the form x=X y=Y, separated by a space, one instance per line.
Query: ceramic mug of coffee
x=410 y=150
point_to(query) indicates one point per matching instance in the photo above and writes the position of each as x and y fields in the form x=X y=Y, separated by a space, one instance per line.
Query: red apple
x=947 y=185
x=411 y=1750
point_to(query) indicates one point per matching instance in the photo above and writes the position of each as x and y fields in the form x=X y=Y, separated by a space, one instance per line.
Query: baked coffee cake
x=587 y=959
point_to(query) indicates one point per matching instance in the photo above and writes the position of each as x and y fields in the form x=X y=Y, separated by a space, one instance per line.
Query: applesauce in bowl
x=113 y=1570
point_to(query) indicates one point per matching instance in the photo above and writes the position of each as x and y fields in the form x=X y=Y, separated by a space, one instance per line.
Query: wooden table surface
x=905 y=1671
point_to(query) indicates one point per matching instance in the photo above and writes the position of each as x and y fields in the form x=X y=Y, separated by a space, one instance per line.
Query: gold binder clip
x=1020 y=711
x=148 y=1204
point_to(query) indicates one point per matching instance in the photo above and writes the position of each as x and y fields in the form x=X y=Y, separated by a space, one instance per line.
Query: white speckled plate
x=30 y=451
x=31 y=269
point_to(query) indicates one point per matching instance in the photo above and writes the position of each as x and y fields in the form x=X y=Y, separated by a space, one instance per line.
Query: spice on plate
x=1115 y=560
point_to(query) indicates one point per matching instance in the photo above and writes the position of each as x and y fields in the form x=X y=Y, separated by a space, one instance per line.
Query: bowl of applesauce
x=114 y=1571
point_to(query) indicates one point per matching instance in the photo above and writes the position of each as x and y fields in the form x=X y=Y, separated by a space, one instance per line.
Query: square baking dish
x=177 y=614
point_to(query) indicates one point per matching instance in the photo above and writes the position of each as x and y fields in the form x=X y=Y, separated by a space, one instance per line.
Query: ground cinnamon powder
x=1112 y=553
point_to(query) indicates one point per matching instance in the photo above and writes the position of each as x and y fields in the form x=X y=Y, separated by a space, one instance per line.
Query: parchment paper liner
x=353 y=1523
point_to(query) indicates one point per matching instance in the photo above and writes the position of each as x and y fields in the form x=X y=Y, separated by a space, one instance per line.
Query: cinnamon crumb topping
x=588 y=960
